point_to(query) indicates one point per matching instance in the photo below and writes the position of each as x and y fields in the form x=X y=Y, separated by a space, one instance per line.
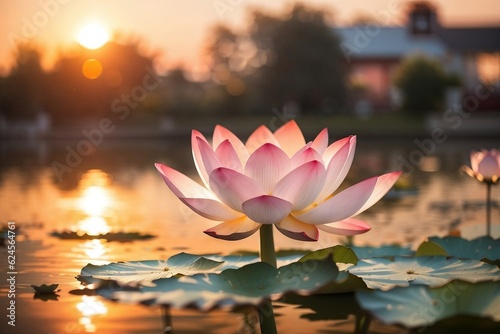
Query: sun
x=93 y=36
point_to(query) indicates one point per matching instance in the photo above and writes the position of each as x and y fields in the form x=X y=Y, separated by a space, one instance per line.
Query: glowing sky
x=179 y=30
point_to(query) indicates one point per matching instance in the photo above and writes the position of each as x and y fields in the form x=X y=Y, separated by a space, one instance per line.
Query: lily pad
x=479 y=248
x=384 y=273
x=250 y=284
x=381 y=251
x=144 y=272
x=421 y=306
x=111 y=236
x=45 y=289
x=344 y=257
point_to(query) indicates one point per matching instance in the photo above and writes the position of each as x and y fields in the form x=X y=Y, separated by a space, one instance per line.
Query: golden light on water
x=95 y=202
x=89 y=307
x=93 y=226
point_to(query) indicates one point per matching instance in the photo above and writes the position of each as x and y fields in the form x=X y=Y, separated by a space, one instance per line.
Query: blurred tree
x=291 y=58
x=117 y=76
x=423 y=83
x=22 y=90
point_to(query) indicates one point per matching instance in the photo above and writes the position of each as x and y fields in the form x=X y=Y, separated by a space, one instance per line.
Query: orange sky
x=179 y=29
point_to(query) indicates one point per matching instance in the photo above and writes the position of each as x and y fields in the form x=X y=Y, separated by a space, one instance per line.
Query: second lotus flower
x=276 y=178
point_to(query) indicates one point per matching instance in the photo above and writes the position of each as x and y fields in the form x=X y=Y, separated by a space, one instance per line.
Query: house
x=374 y=52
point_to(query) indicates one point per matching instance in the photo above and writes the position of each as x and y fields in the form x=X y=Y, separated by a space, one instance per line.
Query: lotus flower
x=276 y=178
x=485 y=166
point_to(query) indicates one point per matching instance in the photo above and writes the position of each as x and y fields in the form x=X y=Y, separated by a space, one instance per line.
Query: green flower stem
x=267 y=252
x=488 y=209
x=266 y=317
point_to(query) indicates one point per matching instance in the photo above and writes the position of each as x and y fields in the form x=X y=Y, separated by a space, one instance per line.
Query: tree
x=73 y=98
x=294 y=57
x=22 y=92
x=423 y=84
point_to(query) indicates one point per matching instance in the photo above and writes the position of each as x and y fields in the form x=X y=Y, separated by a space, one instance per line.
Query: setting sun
x=93 y=36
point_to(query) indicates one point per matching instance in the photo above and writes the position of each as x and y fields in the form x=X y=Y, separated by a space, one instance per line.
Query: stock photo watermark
x=363 y=35
x=32 y=24
x=453 y=119
x=94 y=137
x=11 y=273
x=224 y=7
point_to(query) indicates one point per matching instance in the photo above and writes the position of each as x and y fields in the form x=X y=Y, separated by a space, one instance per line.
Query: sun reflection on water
x=90 y=307
x=95 y=202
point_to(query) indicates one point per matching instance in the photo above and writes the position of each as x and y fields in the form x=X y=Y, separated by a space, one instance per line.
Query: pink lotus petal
x=228 y=156
x=384 y=184
x=198 y=162
x=181 y=185
x=266 y=209
x=290 y=138
x=196 y=197
x=488 y=167
x=335 y=147
x=302 y=185
x=233 y=188
x=475 y=158
x=208 y=157
x=221 y=134
x=259 y=137
x=211 y=209
x=338 y=168
x=341 y=206
x=267 y=165
x=234 y=229
x=320 y=143
x=346 y=227
x=305 y=154
x=298 y=230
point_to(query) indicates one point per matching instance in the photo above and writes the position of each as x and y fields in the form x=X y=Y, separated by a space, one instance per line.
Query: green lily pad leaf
x=339 y=254
x=421 y=306
x=144 y=272
x=384 y=273
x=45 y=289
x=429 y=248
x=381 y=251
x=250 y=284
x=111 y=236
x=479 y=248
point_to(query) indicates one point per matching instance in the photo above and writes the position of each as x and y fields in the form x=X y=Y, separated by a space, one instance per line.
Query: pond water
x=117 y=189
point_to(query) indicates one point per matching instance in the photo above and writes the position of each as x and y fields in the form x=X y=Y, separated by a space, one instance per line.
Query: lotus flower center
x=166 y=269
x=411 y=272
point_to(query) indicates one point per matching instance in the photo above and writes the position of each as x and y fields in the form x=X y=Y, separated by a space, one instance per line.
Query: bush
x=423 y=84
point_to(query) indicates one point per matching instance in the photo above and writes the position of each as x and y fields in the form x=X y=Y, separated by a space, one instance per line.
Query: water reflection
x=94 y=249
x=96 y=202
x=89 y=307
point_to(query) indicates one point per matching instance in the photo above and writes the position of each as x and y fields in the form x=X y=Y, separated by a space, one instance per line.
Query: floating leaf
x=247 y=285
x=419 y=306
x=381 y=251
x=111 y=236
x=384 y=273
x=479 y=248
x=344 y=257
x=144 y=272
x=429 y=248
x=45 y=289
x=338 y=253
